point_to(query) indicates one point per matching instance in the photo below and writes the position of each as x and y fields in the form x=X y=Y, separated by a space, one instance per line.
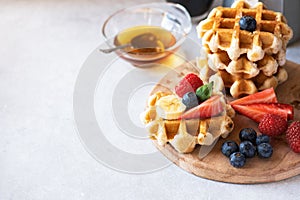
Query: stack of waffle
x=247 y=61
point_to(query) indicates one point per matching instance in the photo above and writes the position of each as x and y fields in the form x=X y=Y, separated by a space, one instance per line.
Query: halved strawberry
x=256 y=111
x=189 y=83
x=211 y=107
x=265 y=96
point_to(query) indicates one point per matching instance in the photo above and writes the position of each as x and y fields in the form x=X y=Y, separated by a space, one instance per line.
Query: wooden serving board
x=283 y=164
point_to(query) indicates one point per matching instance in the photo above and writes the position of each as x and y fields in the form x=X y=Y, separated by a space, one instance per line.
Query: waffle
x=221 y=31
x=242 y=67
x=183 y=135
x=240 y=87
x=238 y=79
x=246 y=61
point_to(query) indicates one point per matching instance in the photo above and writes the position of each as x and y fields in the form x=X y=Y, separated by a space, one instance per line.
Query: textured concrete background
x=43 y=45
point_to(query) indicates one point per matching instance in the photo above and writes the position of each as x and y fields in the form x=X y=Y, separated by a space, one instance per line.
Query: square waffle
x=221 y=31
x=246 y=61
x=185 y=134
x=240 y=84
x=240 y=87
x=242 y=67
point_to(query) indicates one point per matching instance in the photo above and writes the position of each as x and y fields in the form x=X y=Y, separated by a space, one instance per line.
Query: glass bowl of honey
x=146 y=32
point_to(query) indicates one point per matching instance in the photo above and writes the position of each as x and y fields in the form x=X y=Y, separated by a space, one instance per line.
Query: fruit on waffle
x=194 y=115
x=247 y=45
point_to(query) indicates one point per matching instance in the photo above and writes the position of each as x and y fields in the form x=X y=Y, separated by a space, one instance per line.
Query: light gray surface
x=43 y=45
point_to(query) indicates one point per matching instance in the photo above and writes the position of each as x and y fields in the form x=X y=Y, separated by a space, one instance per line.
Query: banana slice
x=155 y=97
x=157 y=131
x=205 y=139
x=183 y=142
x=218 y=87
x=149 y=114
x=170 y=107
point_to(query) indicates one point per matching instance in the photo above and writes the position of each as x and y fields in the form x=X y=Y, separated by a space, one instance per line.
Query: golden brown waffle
x=221 y=31
x=238 y=76
x=185 y=134
x=242 y=67
x=240 y=87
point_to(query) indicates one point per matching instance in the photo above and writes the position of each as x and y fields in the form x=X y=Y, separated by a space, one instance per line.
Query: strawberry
x=265 y=96
x=189 y=83
x=272 y=125
x=293 y=136
x=256 y=111
x=211 y=107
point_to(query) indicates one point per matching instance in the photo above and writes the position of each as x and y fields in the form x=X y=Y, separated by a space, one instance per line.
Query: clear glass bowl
x=170 y=16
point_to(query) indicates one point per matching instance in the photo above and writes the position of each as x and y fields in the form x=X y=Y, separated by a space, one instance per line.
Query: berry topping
x=205 y=91
x=265 y=96
x=189 y=83
x=256 y=111
x=237 y=159
x=190 y=100
x=229 y=147
x=211 y=107
x=248 y=134
x=248 y=149
x=293 y=136
x=262 y=139
x=264 y=150
x=272 y=125
x=247 y=23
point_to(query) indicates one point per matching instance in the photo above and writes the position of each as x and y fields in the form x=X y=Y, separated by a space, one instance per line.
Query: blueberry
x=248 y=149
x=264 y=150
x=247 y=23
x=248 y=134
x=262 y=139
x=229 y=147
x=190 y=100
x=237 y=159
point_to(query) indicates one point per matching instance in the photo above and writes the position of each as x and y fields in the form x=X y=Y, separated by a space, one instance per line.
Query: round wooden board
x=283 y=164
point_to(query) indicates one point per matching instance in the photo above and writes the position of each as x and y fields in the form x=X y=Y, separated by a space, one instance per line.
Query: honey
x=145 y=40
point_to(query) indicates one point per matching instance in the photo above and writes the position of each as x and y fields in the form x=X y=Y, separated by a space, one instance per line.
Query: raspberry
x=293 y=136
x=189 y=83
x=272 y=125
